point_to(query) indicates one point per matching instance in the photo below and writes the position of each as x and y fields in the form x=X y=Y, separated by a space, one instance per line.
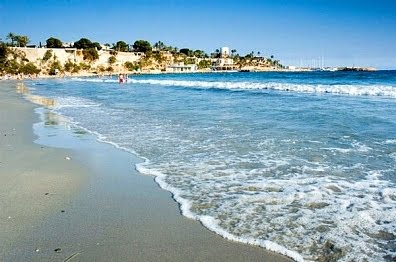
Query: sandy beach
x=66 y=197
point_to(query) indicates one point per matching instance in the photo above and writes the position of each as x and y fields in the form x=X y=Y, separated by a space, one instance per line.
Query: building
x=224 y=52
x=181 y=68
x=105 y=47
x=224 y=64
x=67 y=44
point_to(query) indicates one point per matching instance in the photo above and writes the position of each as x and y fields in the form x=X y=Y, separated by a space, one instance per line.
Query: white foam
x=71 y=101
x=341 y=89
x=94 y=80
x=354 y=90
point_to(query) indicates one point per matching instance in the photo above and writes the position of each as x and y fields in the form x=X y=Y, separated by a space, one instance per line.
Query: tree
x=121 y=46
x=142 y=46
x=3 y=52
x=186 y=51
x=54 y=43
x=90 y=54
x=97 y=46
x=216 y=53
x=112 y=59
x=83 y=43
x=233 y=51
x=12 y=37
x=22 y=40
x=204 y=64
x=159 y=46
x=200 y=54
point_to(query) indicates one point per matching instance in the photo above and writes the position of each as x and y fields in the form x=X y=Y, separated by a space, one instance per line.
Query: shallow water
x=300 y=163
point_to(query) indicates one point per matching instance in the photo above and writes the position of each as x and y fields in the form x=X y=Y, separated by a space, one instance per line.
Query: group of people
x=122 y=78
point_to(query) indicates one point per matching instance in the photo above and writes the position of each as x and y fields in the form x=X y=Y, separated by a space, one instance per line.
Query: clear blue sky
x=344 y=32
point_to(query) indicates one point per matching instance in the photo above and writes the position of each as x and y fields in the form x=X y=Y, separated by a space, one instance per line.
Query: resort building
x=181 y=68
x=224 y=64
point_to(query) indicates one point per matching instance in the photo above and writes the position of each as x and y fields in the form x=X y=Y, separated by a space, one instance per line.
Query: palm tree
x=22 y=40
x=159 y=45
x=233 y=51
x=11 y=36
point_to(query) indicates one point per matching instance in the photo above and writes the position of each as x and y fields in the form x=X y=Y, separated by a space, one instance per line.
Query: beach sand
x=68 y=197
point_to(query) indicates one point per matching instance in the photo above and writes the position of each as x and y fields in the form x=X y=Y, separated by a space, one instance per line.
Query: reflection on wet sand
x=21 y=88
x=49 y=118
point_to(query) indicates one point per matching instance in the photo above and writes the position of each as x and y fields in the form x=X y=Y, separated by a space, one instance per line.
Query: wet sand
x=68 y=197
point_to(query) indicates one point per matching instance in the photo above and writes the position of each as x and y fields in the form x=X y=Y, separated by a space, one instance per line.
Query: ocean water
x=303 y=164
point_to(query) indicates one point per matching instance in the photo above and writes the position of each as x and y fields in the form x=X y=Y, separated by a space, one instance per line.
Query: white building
x=224 y=51
x=181 y=68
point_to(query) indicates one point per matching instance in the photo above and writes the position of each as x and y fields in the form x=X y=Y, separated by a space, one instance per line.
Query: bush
x=90 y=54
x=204 y=64
x=131 y=66
x=76 y=68
x=47 y=56
x=69 y=65
x=112 y=60
x=55 y=68
x=29 y=68
x=84 y=66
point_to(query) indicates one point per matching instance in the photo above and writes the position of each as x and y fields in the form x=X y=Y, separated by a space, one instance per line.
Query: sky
x=296 y=32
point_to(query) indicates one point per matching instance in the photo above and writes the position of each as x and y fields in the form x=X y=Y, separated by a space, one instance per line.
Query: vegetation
x=71 y=67
x=55 y=68
x=85 y=66
x=131 y=66
x=85 y=43
x=186 y=51
x=112 y=60
x=90 y=54
x=29 y=68
x=54 y=43
x=204 y=64
x=121 y=46
x=18 y=40
x=159 y=46
x=47 y=56
x=142 y=46
x=158 y=56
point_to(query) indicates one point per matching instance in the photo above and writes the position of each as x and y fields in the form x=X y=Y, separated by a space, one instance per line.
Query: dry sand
x=98 y=207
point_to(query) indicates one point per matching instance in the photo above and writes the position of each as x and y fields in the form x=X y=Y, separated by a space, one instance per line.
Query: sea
x=303 y=164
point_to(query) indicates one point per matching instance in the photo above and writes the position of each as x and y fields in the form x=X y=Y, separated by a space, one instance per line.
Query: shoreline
x=110 y=210
x=156 y=72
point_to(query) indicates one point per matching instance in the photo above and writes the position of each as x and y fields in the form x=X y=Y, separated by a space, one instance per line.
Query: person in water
x=120 y=78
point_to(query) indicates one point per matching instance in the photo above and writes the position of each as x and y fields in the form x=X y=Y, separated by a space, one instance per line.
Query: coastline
x=111 y=212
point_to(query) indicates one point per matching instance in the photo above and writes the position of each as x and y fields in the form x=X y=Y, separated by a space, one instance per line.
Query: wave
x=341 y=89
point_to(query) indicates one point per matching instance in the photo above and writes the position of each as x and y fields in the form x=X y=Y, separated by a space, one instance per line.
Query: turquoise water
x=300 y=163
